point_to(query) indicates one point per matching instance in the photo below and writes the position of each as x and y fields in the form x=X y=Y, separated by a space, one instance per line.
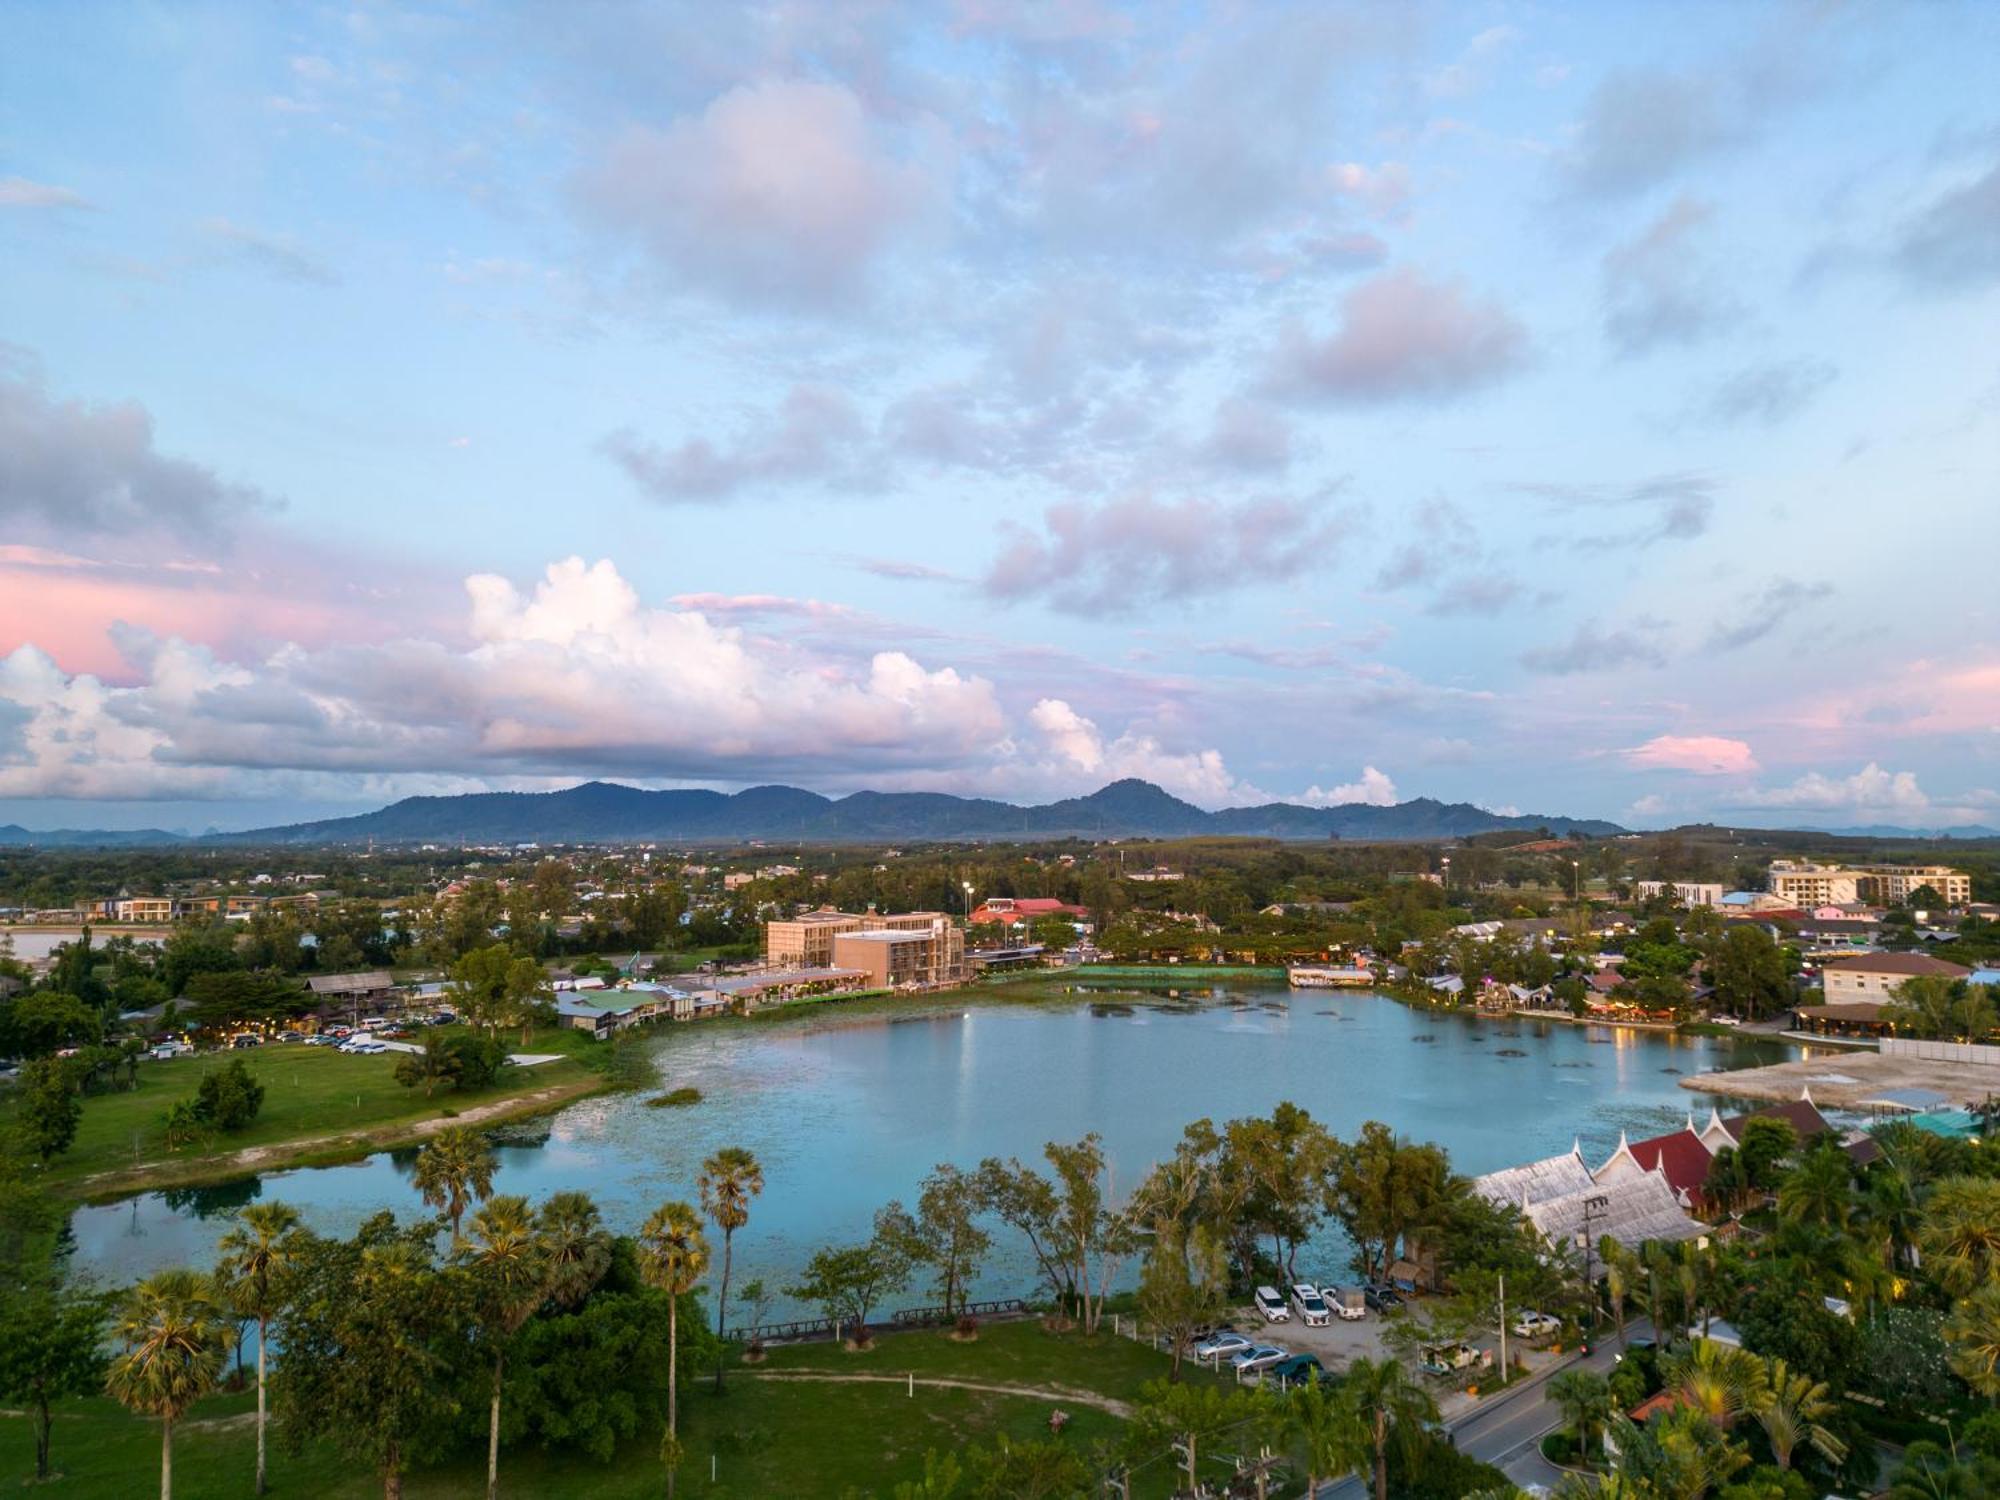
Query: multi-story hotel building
x=1807 y=885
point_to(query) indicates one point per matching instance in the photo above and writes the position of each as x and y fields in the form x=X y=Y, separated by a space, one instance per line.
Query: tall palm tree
x=578 y=1246
x=1617 y=1287
x=1819 y=1190
x=173 y=1340
x=729 y=1180
x=1961 y=1233
x=1791 y=1411
x=453 y=1170
x=673 y=1256
x=510 y=1264
x=1890 y=1204
x=1720 y=1381
x=1973 y=1331
x=1328 y=1431
x=1584 y=1398
x=254 y=1257
x=1386 y=1399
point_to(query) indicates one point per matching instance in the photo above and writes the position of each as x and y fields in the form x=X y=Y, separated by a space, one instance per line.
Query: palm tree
x=578 y=1246
x=1792 y=1410
x=1818 y=1190
x=511 y=1266
x=1891 y=1206
x=729 y=1180
x=1328 y=1430
x=1584 y=1398
x=254 y=1257
x=1386 y=1399
x=1961 y=1233
x=453 y=1170
x=174 y=1343
x=673 y=1256
x=1973 y=1331
x=1617 y=1288
x=1720 y=1381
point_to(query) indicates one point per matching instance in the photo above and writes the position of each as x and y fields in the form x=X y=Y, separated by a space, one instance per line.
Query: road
x=1507 y=1431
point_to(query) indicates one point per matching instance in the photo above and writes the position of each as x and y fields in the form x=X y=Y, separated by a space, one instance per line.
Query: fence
x=807 y=1330
x=1958 y=1052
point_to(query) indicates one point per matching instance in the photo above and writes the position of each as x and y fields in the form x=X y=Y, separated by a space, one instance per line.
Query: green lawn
x=308 y=1091
x=765 y=1437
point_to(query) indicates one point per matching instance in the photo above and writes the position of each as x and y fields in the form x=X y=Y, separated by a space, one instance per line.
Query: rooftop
x=1897 y=963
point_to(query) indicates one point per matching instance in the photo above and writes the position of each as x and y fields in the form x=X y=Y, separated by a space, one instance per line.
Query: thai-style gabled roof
x=1631 y=1212
x=1523 y=1187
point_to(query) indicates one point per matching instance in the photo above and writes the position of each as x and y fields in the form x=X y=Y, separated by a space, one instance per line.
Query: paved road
x=1507 y=1431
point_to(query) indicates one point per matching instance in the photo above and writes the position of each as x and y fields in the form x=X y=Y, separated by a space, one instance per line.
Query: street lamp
x=1575 y=881
x=968 y=898
x=1447 y=872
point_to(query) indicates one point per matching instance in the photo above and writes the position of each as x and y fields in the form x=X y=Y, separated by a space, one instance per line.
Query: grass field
x=764 y=1436
x=316 y=1101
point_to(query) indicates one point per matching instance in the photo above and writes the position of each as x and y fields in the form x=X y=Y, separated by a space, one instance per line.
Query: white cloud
x=1870 y=789
x=20 y=192
x=1374 y=788
x=1701 y=754
x=1077 y=747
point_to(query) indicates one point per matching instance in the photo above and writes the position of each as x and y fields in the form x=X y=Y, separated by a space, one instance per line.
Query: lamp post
x=1575 y=881
x=1447 y=872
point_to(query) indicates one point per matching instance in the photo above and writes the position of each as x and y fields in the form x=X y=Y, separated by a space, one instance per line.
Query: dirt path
x=1075 y=1397
x=180 y=1172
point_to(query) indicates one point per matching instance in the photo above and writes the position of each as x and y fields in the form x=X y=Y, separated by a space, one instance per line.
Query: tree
x=1388 y=1401
x=255 y=1255
x=1329 y=1432
x=1183 y=1284
x=846 y=1282
x=437 y=1063
x=1934 y=1006
x=171 y=1342
x=729 y=1180
x=454 y=1169
x=510 y=1270
x=1750 y=972
x=578 y=1247
x=490 y=987
x=944 y=1232
x=1090 y=1235
x=1960 y=1235
x=1720 y=1381
x=1764 y=1146
x=1584 y=1399
x=1793 y=1409
x=51 y=1349
x=193 y=949
x=47 y=1106
x=228 y=1098
x=674 y=1258
x=1186 y=1418
x=44 y=1023
x=1972 y=1331
x=1819 y=1190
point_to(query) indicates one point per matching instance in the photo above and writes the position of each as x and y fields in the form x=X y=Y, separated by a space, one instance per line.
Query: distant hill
x=13 y=835
x=604 y=812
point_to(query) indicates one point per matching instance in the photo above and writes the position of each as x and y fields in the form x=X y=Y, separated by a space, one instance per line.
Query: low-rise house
x=1873 y=979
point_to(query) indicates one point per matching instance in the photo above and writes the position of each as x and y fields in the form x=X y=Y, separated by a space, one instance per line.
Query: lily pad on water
x=1510 y=1052
x=1426 y=1037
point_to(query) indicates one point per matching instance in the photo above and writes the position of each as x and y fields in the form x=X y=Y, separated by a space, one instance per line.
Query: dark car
x=1300 y=1369
x=1381 y=1296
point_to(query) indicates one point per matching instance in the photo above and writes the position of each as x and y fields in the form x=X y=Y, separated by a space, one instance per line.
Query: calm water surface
x=848 y=1111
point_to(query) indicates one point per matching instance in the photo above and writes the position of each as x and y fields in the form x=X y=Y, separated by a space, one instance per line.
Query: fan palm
x=453 y=1170
x=173 y=1339
x=1382 y=1394
x=1973 y=1331
x=1818 y=1190
x=1720 y=1381
x=673 y=1256
x=254 y=1257
x=510 y=1264
x=578 y=1246
x=1328 y=1431
x=729 y=1180
x=1961 y=1233
x=1791 y=1410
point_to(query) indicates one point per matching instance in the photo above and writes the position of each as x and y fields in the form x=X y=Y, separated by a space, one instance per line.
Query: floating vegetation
x=1109 y=1008
x=679 y=1098
x=1426 y=1037
x=1510 y=1052
x=1670 y=1070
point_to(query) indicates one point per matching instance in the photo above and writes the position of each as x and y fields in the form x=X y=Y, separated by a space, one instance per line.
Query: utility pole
x=1503 y=1328
x=1186 y=1451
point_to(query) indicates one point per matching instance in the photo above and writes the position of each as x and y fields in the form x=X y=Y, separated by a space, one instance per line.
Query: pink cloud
x=1701 y=754
x=1402 y=337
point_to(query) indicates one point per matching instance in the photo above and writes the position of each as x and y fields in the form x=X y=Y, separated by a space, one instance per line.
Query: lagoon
x=847 y=1109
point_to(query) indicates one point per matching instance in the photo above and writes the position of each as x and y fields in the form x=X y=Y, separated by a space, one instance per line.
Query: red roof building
x=1019 y=911
x=1681 y=1157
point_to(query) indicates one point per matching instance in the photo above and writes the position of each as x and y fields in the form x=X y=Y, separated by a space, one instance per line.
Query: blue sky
x=1587 y=409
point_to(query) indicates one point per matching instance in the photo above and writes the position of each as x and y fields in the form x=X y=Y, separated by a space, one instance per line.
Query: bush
x=476 y=1060
x=679 y=1098
x=228 y=1098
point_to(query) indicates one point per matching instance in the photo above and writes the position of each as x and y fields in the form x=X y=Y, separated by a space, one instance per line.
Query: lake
x=849 y=1110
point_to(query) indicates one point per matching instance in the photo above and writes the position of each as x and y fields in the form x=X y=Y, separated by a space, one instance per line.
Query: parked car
x=1443 y=1359
x=1223 y=1345
x=246 y=1039
x=1300 y=1369
x=1271 y=1305
x=1537 y=1325
x=1313 y=1311
x=1724 y=1021
x=321 y=1041
x=1381 y=1296
x=1259 y=1357
x=167 y=1051
x=291 y=1036
x=1348 y=1303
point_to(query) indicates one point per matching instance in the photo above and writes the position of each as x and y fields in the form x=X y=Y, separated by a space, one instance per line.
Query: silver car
x=1259 y=1357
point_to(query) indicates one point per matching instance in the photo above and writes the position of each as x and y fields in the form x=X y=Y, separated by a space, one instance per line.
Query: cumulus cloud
x=1402 y=337
x=1670 y=508
x=1780 y=599
x=73 y=466
x=783 y=191
x=1595 y=648
x=1869 y=790
x=1954 y=243
x=1701 y=754
x=813 y=435
x=20 y=192
x=1766 y=394
x=278 y=254
x=576 y=674
x=1373 y=788
x=1658 y=290
x=1110 y=558
x=1076 y=746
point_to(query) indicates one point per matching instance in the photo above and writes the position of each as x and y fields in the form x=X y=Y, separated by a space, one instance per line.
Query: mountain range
x=605 y=812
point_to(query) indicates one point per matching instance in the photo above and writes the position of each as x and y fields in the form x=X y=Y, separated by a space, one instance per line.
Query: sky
x=1586 y=409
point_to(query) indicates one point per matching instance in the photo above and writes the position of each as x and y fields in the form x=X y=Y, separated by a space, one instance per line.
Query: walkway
x=1074 y=1397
